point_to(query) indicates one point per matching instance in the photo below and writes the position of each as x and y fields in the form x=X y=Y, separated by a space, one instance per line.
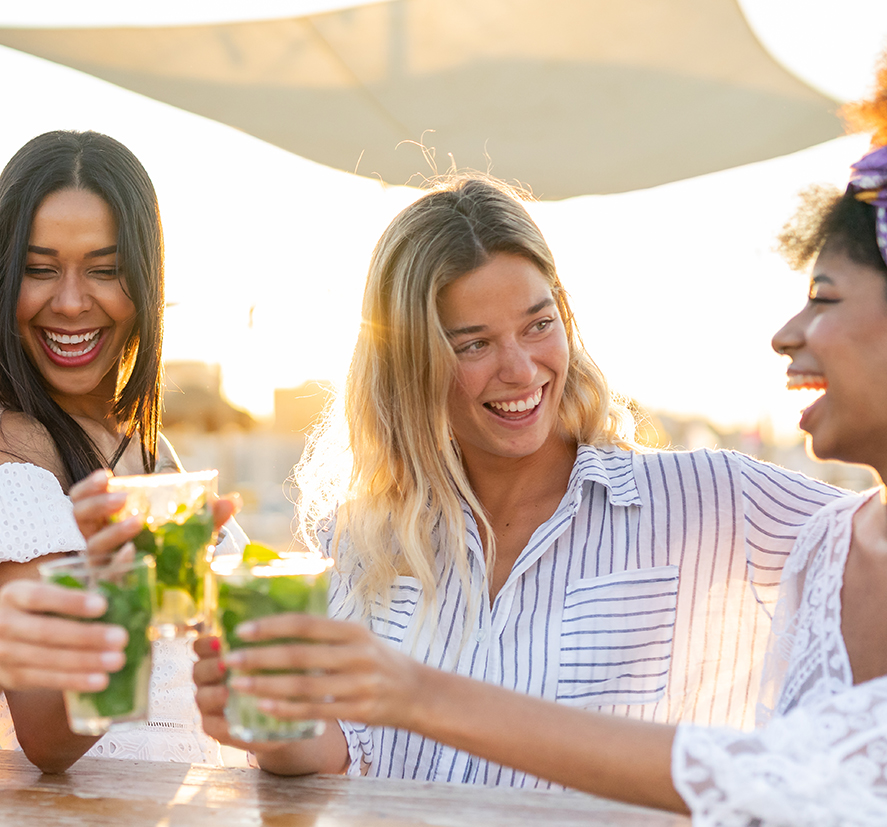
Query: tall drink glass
x=129 y=587
x=178 y=533
x=289 y=583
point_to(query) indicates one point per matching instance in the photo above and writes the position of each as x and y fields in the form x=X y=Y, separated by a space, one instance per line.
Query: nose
x=516 y=365
x=790 y=336
x=72 y=296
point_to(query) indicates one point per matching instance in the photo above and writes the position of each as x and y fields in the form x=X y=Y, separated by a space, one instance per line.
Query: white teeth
x=53 y=340
x=805 y=381
x=66 y=339
x=519 y=406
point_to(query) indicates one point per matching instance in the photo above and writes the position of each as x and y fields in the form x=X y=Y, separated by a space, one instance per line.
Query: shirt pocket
x=616 y=637
x=392 y=622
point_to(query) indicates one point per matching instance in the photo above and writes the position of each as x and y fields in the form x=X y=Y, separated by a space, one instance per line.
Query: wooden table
x=103 y=791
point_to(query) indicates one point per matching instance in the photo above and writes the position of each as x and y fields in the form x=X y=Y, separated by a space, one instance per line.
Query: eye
x=470 y=347
x=541 y=325
x=38 y=272
x=106 y=273
x=816 y=298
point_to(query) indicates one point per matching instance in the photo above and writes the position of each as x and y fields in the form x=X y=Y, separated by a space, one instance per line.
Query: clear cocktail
x=128 y=585
x=178 y=533
x=259 y=588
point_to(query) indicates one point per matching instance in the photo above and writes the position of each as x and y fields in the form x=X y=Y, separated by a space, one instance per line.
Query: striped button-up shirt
x=645 y=595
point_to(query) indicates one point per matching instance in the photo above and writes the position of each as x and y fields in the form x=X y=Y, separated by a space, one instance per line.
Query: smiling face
x=512 y=353
x=838 y=344
x=73 y=314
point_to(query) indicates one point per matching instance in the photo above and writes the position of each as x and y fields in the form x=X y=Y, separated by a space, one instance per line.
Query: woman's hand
x=212 y=693
x=39 y=651
x=340 y=671
x=94 y=506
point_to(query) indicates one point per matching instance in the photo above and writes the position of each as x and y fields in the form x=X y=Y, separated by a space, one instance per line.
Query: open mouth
x=71 y=345
x=806 y=382
x=516 y=408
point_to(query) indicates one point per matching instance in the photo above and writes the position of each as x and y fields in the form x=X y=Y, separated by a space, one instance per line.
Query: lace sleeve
x=35 y=515
x=822 y=765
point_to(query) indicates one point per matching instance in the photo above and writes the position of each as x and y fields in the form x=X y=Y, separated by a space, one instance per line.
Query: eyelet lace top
x=38 y=519
x=819 y=758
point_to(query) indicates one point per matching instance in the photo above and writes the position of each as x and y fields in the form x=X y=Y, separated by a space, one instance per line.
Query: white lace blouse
x=820 y=757
x=38 y=519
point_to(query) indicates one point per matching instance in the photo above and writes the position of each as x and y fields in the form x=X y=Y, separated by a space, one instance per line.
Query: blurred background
x=665 y=141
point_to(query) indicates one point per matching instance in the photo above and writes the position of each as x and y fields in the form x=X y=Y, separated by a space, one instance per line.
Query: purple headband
x=868 y=183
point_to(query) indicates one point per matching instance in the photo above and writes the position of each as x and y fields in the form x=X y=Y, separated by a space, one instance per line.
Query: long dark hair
x=96 y=163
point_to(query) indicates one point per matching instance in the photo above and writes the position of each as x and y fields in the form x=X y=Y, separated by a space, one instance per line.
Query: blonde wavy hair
x=384 y=461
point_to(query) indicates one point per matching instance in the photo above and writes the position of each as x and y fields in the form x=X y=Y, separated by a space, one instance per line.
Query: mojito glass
x=129 y=587
x=294 y=582
x=178 y=533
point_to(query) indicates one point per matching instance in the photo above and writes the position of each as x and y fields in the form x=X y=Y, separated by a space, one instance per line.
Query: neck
x=502 y=481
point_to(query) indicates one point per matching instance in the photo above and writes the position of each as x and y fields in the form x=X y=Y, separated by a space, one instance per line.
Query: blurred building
x=192 y=398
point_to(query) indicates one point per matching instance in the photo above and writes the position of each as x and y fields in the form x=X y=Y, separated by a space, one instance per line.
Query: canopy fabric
x=569 y=97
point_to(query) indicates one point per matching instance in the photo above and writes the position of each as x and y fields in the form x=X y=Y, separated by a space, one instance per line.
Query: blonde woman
x=489 y=515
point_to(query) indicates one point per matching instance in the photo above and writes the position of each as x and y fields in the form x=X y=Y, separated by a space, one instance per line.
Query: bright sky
x=267 y=252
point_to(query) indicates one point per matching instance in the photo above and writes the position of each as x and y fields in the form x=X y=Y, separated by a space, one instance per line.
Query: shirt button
x=481 y=636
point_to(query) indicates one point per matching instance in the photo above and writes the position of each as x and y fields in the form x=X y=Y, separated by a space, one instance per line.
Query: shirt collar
x=609 y=466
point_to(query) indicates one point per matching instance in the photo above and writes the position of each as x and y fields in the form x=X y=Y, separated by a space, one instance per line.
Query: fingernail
x=223 y=668
x=265 y=705
x=246 y=630
x=97 y=680
x=234 y=659
x=115 y=636
x=95 y=604
x=112 y=661
x=215 y=644
x=241 y=683
x=117 y=498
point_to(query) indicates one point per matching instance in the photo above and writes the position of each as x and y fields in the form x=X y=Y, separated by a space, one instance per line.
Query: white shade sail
x=569 y=96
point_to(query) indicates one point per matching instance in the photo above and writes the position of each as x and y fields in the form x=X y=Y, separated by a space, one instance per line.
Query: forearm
x=608 y=756
x=327 y=753
x=41 y=726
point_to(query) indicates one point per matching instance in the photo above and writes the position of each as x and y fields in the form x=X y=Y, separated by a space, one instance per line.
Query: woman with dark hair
x=81 y=309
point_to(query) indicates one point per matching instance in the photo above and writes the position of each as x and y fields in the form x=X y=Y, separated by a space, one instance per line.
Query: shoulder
x=24 y=440
x=167 y=459
x=36 y=515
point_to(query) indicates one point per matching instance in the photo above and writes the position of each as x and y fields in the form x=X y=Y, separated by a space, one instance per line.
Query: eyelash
x=109 y=273
x=540 y=327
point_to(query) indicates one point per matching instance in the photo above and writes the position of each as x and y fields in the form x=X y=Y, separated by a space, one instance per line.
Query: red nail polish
x=222 y=668
x=215 y=644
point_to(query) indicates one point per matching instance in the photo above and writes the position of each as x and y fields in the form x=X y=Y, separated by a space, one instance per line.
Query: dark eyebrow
x=468 y=331
x=48 y=251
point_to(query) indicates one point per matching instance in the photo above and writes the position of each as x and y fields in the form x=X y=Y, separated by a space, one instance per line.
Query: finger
x=209 y=672
x=34 y=596
x=112 y=536
x=305 y=626
x=292 y=656
x=26 y=678
x=57 y=632
x=211 y=700
x=27 y=656
x=207 y=646
x=226 y=507
x=94 y=483
x=297 y=686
